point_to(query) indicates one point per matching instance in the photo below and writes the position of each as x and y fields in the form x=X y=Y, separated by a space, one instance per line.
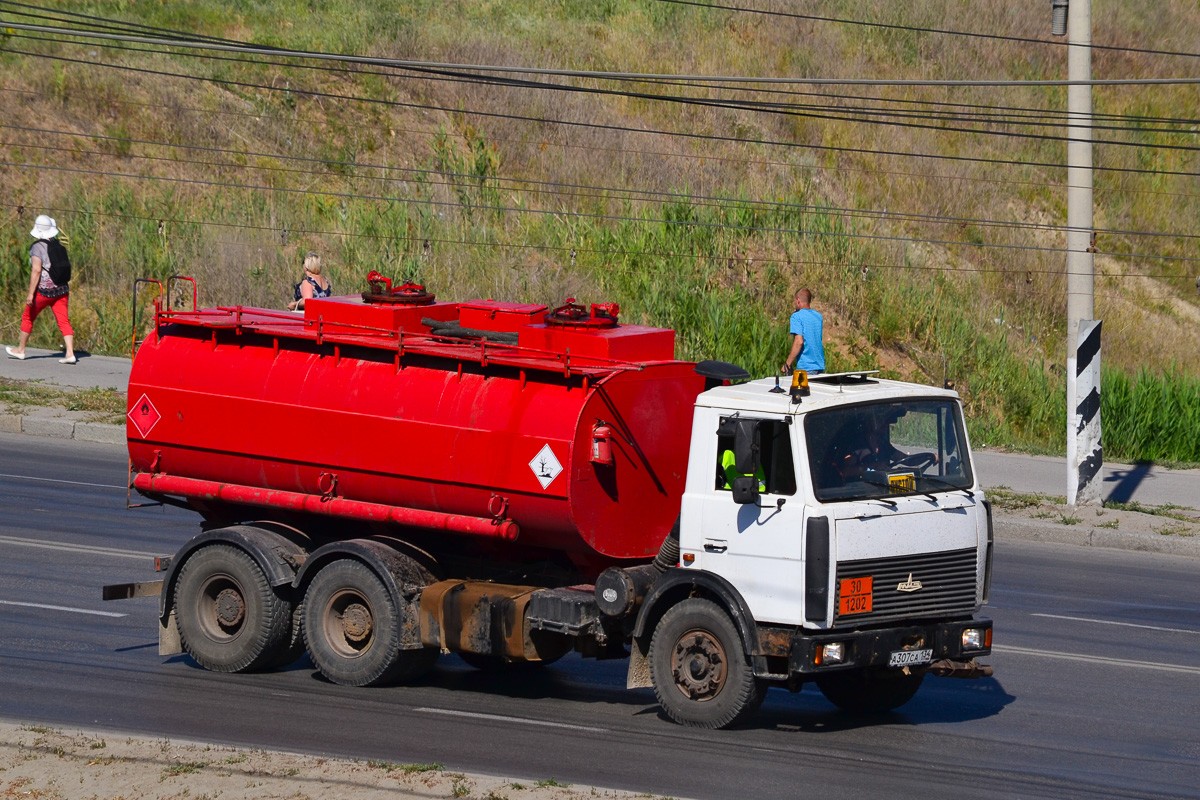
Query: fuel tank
x=374 y=403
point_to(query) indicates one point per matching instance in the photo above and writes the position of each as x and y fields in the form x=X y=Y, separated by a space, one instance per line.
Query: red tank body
x=356 y=409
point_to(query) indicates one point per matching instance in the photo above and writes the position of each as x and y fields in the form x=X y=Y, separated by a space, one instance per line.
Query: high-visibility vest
x=729 y=466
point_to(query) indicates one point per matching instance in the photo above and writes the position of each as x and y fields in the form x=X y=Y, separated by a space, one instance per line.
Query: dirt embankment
x=42 y=763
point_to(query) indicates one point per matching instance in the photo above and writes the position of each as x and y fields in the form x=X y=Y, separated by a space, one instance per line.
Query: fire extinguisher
x=602 y=443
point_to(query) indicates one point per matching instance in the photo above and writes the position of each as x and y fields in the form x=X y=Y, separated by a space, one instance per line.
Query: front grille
x=947 y=586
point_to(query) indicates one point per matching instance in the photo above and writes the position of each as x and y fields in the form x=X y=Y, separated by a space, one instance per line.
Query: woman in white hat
x=44 y=292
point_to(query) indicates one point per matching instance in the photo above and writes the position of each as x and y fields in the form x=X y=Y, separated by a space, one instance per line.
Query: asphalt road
x=1096 y=694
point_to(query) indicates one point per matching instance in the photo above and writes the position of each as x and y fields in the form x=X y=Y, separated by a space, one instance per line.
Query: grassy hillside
x=444 y=181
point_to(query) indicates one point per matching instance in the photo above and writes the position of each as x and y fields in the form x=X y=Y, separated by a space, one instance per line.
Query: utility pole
x=1084 y=451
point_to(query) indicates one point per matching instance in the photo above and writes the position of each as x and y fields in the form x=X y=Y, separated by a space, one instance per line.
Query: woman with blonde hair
x=313 y=284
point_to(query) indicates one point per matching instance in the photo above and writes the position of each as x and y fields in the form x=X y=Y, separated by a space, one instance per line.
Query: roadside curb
x=1026 y=530
x=58 y=428
x=1007 y=528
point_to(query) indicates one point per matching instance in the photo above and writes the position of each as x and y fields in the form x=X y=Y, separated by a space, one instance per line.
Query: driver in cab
x=870 y=448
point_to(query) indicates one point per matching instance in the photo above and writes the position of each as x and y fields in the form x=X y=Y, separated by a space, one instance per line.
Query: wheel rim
x=348 y=623
x=221 y=608
x=699 y=665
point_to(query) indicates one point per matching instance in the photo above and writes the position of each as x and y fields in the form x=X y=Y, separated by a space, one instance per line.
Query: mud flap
x=638 y=676
x=169 y=643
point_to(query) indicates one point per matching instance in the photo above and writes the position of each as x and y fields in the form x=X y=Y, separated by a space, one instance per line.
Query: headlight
x=973 y=639
x=833 y=653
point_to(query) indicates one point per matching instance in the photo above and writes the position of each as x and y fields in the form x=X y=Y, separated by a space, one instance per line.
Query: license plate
x=854 y=596
x=908 y=658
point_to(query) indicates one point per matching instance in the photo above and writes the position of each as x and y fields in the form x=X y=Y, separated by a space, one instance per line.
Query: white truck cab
x=844 y=521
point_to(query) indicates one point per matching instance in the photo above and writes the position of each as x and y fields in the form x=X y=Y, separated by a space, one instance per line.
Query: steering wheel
x=917 y=461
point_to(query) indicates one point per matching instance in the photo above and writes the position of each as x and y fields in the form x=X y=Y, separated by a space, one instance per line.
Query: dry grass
x=987 y=318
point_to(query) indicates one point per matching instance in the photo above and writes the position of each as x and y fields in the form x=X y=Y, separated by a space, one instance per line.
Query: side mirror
x=745 y=490
x=746 y=446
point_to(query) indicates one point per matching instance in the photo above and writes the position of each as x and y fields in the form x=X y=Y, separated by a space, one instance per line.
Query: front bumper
x=874 y=647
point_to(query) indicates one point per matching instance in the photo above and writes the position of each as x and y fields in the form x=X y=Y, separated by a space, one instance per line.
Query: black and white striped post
x=1085 y=452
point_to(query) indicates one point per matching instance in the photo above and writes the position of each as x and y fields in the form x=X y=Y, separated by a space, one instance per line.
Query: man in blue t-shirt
x=808 y=348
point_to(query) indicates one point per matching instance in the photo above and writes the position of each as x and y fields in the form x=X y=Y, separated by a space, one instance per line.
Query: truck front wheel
x=700 y=673
x=870 y=691
x=230 y=620
x=352 y=629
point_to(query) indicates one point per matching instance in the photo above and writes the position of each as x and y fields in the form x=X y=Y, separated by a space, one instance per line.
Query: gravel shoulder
x=1035 y=517
x=43 y=763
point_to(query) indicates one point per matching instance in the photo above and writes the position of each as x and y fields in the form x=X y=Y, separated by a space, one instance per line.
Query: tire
x=230 y=619
x=352 y=629
x=294 y=648
x=870 y=691
x=701 y=676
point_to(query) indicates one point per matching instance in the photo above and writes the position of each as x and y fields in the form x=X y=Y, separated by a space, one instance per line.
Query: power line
x=862 y=267
x=817 y=112
x=543 y=143
x=916 y=29
x=103 y=23
x=593 y=125
x=606 y=217
x=584 y=74
x=1018 y=112
x=1031 y=117
x=555 y=187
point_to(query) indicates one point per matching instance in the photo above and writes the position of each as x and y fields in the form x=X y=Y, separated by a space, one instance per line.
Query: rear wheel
x=701 y=676
x=230 y=619
x=870 y=691
x=352 y=629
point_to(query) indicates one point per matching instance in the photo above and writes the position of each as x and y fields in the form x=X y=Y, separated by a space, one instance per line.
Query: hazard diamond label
x=545 y=466
x=144 y=416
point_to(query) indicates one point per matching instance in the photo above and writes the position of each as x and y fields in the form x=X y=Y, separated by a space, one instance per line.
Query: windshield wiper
x=948 y=485
x=890 y=487
x=887 y=486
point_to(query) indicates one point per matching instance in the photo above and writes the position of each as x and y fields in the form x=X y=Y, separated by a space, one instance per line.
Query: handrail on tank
x=171 y=285
x=133 y=319
x=490 y=351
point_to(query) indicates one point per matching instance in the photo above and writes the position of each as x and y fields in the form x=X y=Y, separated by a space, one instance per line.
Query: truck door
x=755 y=546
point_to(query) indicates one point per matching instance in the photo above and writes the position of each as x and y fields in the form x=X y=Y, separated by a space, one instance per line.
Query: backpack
x=60 y=262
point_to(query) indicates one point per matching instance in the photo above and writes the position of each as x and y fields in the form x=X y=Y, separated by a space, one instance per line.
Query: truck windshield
x=889 y=449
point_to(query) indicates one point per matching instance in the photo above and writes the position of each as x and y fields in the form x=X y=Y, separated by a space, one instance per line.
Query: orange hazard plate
x=854 y=596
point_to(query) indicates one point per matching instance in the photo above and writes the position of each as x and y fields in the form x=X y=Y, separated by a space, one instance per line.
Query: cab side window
x=776 y=469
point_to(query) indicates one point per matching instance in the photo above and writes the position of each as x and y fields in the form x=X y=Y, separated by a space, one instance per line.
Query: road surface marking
x=62 y=608
x=1120 y=662
x=75 y=548
x=60 y=480
x=502 y=718
x=1112 y=622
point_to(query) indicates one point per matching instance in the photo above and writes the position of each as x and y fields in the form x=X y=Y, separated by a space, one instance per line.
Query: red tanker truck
x=388 y=477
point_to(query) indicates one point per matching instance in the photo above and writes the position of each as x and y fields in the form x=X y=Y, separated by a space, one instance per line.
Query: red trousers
x=58 y=305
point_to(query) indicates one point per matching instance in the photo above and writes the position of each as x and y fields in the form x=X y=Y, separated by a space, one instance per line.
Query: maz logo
x=909 y=585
